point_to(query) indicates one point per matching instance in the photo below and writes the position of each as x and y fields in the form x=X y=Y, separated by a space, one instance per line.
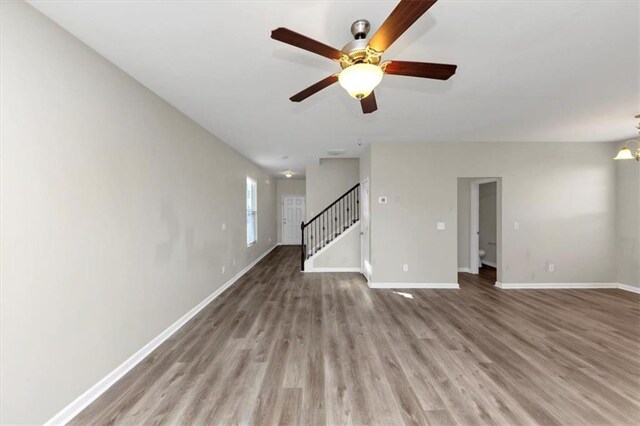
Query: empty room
x=320 y=212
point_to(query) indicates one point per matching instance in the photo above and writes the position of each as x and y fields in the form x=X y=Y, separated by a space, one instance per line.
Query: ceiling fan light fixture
x=624 y=154
x=359 y=80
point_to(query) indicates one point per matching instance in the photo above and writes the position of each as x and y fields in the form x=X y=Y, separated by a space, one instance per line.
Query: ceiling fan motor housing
x=357 y=49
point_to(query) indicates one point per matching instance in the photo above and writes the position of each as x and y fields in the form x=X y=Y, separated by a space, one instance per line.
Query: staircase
x=330 y=223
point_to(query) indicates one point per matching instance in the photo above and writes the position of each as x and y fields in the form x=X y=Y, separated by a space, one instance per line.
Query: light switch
x=382 y=200
x=440 y=226
x=224 y=226
x=516 y=225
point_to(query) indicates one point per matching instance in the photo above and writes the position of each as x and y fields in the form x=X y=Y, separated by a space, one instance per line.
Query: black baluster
x=302 y=240
x=358 y=203
x=344 y=222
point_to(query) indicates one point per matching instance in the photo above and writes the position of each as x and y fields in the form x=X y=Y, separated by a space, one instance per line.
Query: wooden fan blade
x=403 y=16
x=303 y=42
x=311 y=90
x=421 y=69
x=369 y=103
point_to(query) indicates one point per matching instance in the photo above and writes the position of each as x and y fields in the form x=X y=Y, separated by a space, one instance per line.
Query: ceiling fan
x=361 y=59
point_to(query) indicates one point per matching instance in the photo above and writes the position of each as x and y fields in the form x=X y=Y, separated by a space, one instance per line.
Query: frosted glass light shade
x=359 y=80
x=624 y=154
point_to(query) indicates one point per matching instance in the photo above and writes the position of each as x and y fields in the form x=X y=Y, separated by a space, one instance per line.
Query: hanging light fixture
x=359 y=80
x=625 y=152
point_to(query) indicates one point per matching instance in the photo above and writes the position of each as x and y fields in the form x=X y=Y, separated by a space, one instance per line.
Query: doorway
x=293 y=207
x=479 y=224
x=484 y=221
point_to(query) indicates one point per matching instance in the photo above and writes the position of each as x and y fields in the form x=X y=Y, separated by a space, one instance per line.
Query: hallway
x=284 y=347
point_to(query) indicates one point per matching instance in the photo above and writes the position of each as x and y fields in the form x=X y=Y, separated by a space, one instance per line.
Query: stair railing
x=330 y=223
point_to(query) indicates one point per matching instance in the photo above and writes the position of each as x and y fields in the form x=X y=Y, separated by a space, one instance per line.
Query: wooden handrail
x=304 y=225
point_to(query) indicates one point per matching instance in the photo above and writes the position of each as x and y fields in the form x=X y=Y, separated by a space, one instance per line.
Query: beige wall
x=112 y=206
x=487 y=220
x=287 y=187
x=628 y=222
x=365 y=173
x=328 y=180
x=464 y=222
x=561 y=194
x=344 y=253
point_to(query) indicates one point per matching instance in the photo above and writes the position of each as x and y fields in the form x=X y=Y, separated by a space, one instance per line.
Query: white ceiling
x=528 y=70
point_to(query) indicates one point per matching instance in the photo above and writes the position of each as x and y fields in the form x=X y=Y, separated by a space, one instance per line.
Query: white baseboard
x=467 y=270
x=630 y=288
x=486 y=262
x=330 y=269
x=554 y=286
x=74 y=408
x=415 y=285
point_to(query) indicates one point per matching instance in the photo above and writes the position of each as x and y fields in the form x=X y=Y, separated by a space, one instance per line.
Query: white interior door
x=365 y=265
x=292 y=217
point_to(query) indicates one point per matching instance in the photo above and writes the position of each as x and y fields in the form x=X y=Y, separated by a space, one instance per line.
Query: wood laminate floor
x=291 y=348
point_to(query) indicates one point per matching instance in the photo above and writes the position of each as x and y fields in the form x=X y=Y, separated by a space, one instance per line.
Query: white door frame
x=282 y=217
x=365 y=264
x=475 y=221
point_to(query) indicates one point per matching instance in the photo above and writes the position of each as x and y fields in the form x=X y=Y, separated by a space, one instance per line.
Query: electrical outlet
x=405 y=267
x=516 y=225
x=551 y=267
x=224 y=226
x=440 y=226
x=234 y=262
x=269 y=239
x=223 y=269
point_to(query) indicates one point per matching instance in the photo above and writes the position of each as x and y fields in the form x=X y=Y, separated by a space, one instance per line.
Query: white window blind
x=252 y=212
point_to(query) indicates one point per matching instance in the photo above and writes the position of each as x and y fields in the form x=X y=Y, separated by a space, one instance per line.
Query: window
x=252 y=212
